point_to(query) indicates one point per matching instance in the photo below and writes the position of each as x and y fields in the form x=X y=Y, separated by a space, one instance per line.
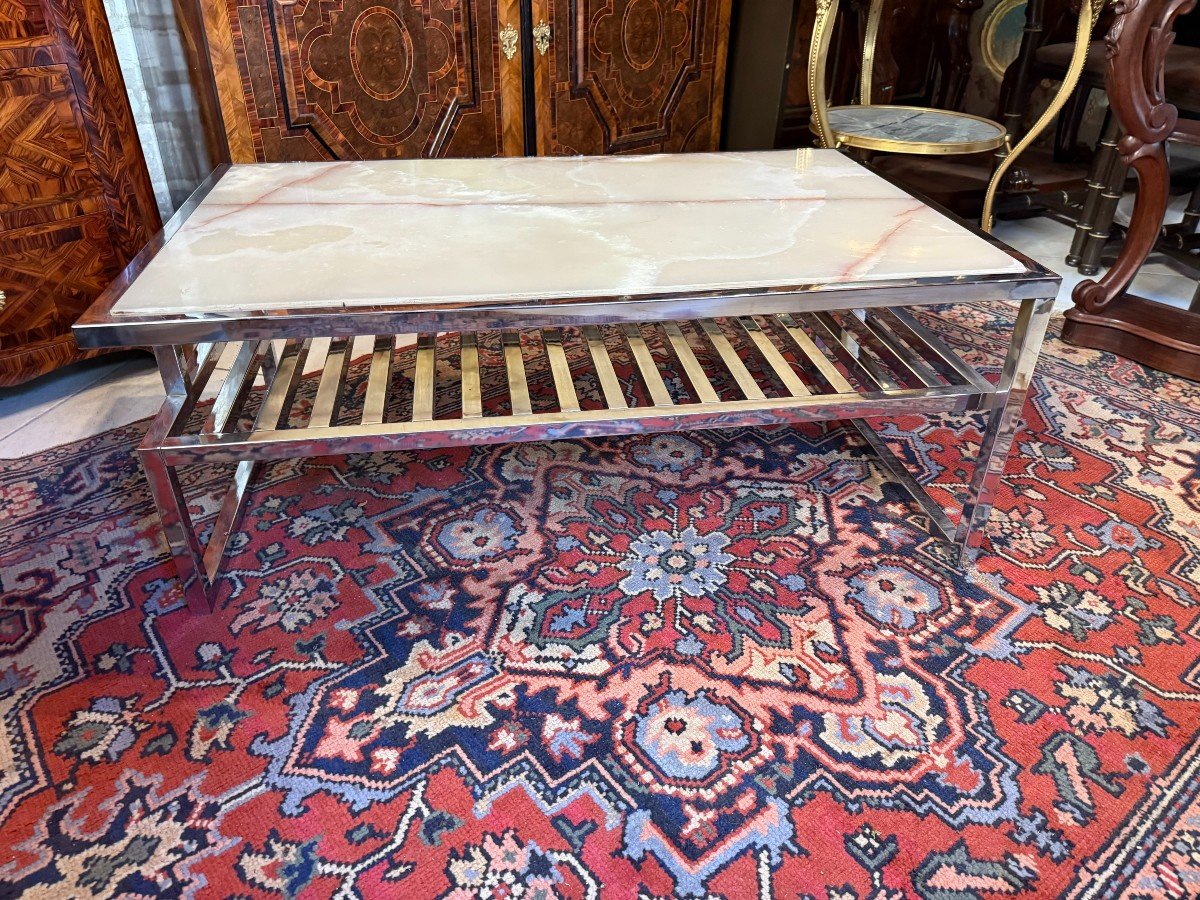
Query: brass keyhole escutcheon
x=509 y=40
x=541 y=36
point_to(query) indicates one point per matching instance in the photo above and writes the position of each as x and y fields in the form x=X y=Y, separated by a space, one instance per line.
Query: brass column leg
x=1106 y=211
x=1191 y=213
x=1003 y=422
x=1098 y=176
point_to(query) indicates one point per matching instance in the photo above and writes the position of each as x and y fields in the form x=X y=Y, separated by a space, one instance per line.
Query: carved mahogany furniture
x=1105 y=315
x=684 y=291
x=75 y=200
x=1107 y=174
x=311 y=80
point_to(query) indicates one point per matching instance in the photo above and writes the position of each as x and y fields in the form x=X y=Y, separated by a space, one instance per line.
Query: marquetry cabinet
x=75 y=199
x=365 y=79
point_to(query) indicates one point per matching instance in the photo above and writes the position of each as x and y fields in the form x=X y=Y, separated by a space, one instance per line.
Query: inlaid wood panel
x=75 y=199
x=629 y=75
x=43 y=154
x=22 y=21
x=39 y=309
x=358 y=79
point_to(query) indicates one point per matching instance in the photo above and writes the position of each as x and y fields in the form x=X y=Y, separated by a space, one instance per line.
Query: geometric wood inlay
x=76 y=202
x=50 y=274
x=372 y=80
x=42 y=151
x=22 y=20
x=632 y=75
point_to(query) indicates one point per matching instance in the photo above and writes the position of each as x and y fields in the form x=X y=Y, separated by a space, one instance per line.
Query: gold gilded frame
x=987 y=36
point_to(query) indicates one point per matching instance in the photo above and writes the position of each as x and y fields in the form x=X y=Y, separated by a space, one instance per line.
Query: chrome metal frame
x=744 y=358
x=738 y=371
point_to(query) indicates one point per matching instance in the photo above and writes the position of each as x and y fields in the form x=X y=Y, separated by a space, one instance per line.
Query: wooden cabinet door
x=360 y=79
x=75 y=200
x=615 y=76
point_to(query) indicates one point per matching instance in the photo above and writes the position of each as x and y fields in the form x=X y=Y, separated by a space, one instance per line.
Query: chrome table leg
x=1003 y=422
x=177 y=529
x=185 y=372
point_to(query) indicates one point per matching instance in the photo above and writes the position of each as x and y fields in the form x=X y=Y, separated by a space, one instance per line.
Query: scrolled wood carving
x=1137 y=45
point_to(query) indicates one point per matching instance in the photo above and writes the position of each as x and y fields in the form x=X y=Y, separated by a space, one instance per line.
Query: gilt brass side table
x=731 y=289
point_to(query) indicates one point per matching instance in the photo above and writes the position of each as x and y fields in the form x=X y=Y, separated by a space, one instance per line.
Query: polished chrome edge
x=352 y=321
x=100 y=312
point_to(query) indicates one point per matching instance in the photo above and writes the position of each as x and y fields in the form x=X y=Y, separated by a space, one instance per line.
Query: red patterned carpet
x=705 y=665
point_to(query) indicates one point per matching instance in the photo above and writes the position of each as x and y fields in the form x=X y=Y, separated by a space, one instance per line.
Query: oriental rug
x=723 y=664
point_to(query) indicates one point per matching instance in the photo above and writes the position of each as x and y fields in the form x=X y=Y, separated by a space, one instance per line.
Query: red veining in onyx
x=232 y=208
x=261 y=199
x=902 y=220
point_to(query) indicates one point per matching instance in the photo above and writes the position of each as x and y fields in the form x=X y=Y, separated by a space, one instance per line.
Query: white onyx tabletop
x=431 y=232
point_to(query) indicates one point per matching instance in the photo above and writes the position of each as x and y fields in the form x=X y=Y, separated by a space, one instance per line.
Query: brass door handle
x=509 y=41
x=3 y=300
x=541 y=36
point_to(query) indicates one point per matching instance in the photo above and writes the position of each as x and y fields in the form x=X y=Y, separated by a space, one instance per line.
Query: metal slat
x=186 y=355
x=202 y=366
x=937 y=351
x=659 y=395
x=691 y=366
x=558 y=425
x=282 y=389
x=333 y=383
x=227 y=517
x=231 y=398
x=472 y=395
x=564 y=386
x=518 y=385
x=842 y=344
x=811 y=352
x=199 y=361
x=207 y=357
x=379 y=379
x=614 y=397
x=318 y=355
x=892 y=357
x=895 y=467
x=782 y=368
x=423 y=378
x=909 y=358
x=745 y=381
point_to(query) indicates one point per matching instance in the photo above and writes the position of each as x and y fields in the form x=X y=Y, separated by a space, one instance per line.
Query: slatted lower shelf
x=438 y=390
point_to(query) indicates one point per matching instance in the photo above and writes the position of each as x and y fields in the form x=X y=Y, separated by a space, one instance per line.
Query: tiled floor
x=1047 y=241
x=90 y=397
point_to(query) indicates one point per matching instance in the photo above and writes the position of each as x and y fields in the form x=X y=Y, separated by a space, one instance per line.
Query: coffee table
x=654 y=293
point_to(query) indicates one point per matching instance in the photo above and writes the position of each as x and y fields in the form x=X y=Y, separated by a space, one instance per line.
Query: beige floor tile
x=70 y=408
